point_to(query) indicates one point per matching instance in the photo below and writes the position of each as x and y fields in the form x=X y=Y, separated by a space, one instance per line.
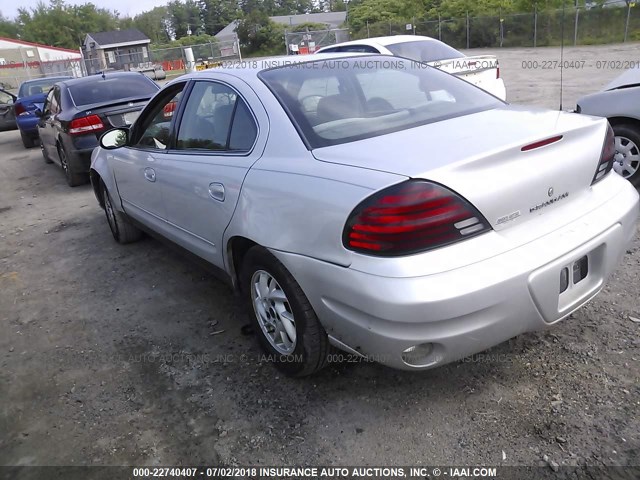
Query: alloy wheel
x=626 y=160
x=273 y=312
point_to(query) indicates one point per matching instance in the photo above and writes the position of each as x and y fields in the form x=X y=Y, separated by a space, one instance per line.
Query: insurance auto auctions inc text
x=375 y=472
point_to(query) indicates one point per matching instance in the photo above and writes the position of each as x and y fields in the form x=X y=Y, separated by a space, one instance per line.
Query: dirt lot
x=107 y=353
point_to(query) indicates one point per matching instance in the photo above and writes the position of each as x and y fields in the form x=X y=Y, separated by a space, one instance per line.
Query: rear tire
x=73 y=178
x=627 y=157
x=278 y=308
x=44 y=154
x=122 y=229
x=27 y=141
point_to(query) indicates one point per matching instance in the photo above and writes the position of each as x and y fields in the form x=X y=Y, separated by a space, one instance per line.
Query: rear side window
x=216 y=119
x=424 y=50
x=35 y=87
x=101 y=90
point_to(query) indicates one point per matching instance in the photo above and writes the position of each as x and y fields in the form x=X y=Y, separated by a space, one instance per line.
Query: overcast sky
x=9 y=8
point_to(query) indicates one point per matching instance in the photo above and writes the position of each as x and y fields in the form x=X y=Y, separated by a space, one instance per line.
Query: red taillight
x=497 y=70
x=90 y=123
x=411 y=217
x=169 y=108
x=19 y=109
x=606 y=157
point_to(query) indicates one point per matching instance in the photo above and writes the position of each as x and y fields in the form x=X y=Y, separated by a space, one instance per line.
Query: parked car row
x=78 y=111
x=31 y=97
x=343 y=204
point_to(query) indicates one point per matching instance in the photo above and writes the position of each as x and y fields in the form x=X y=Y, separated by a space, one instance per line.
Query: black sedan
x=76 y=112
x=7 y=118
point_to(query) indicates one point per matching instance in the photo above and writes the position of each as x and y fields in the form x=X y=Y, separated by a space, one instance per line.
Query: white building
x=20 y=60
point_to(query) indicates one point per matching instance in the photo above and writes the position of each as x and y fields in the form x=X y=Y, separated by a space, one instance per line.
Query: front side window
x=153 y=129
x=216 y=119
x=348 y=99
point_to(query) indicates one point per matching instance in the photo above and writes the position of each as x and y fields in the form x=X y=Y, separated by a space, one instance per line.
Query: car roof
x=388 y=40
x=45 y=79
x=99 y=77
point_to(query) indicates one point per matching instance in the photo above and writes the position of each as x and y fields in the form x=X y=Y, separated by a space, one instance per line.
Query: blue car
x=31 y=96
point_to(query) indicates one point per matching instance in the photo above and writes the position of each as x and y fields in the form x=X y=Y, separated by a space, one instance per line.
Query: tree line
x=178 y=22
x=63 y=25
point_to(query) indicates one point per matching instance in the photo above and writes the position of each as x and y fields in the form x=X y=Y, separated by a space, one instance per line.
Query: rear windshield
x=37 y=86
x=105 y=90
x=424 y=50
x=348 y=99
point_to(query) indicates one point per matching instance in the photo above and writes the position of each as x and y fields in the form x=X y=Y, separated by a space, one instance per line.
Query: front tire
x=288 y=329
x=627 y=157
x=122 y=229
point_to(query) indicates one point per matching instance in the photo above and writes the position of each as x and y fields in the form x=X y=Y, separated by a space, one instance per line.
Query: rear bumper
x=466 y=310
x=28 y=125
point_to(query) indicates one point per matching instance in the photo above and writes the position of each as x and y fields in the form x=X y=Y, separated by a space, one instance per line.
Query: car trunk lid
x=114 y=114
x=480 y=70
x=484 y=157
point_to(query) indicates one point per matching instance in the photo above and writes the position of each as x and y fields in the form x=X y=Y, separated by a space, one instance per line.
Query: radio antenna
x=564 y=4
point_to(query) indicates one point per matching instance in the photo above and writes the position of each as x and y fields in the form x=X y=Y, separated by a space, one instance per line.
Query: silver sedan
x=371 y=205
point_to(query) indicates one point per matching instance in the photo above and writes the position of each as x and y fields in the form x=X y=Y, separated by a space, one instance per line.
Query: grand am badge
x=551 y=201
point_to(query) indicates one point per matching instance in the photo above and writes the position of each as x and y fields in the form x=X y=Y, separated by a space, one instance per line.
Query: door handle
x=216 y=191
x=150 y=174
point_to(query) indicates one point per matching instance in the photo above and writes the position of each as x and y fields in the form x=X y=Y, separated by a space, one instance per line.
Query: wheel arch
x=619 y=120
x=237 y=248
x=96 y=184
x=101 y=174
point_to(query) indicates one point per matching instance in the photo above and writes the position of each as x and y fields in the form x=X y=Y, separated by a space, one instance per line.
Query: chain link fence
x=310 y=41
x=174 y=61
x=160 y=63
x=616 y=22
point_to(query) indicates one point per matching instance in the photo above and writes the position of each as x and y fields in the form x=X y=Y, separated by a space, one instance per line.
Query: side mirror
x=114 y=138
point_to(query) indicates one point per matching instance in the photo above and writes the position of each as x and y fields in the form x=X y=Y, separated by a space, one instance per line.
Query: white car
x=481 y=70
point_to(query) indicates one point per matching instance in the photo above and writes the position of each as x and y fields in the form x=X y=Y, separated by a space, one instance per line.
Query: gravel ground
x=124 y=355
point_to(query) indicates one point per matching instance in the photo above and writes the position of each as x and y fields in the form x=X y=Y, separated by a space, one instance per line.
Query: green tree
x=154 y=24
x=62 y=25
x=184 y=18
x=217 y=14
x=8 y=28
x=259 y=35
